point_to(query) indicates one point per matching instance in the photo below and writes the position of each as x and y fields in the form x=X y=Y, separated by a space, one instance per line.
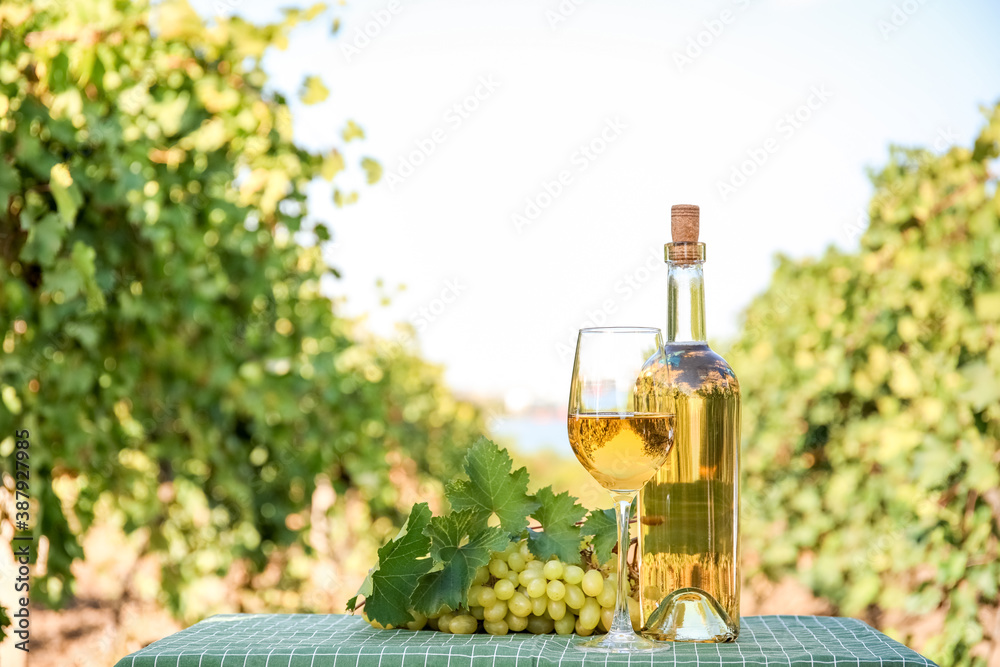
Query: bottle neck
x=686 y=303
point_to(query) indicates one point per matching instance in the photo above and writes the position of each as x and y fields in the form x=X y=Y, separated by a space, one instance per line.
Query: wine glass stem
x=622 y=621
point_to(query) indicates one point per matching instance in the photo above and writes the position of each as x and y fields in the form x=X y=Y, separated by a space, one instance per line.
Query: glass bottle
x=689 y=512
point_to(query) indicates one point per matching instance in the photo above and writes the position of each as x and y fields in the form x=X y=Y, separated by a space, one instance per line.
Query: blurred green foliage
x=871 y=383
x=165 y=339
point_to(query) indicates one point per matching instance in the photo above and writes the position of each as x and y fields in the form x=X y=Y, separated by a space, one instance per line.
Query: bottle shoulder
x=698 y=366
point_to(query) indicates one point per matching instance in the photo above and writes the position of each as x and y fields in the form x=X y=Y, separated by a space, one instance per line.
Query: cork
x=684 y=223
x=684 y=228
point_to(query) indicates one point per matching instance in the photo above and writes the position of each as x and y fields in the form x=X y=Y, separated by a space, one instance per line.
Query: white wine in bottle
x=689 y=511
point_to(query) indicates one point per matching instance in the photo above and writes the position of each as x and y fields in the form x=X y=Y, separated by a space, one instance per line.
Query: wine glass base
x=622 y=642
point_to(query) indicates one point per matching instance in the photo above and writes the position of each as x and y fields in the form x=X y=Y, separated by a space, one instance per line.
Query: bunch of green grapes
x=518 y=592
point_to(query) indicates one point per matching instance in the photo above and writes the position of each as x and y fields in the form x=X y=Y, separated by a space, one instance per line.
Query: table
x=316 y=640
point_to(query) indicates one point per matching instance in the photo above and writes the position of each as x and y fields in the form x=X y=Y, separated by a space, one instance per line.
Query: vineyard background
x=219 y=438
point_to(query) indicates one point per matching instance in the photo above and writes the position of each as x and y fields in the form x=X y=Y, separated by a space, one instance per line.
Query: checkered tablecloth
x=312 y=640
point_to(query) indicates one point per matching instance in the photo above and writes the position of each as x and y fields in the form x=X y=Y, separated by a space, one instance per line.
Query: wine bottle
x=689 y=511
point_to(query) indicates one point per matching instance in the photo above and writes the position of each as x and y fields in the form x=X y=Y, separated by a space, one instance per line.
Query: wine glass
x=621 y=436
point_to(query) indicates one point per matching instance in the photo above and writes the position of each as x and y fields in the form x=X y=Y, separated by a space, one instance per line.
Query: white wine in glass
x=621 y=450
x=621 y=437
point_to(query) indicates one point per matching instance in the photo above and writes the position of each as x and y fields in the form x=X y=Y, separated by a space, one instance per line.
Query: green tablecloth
x=312 y=640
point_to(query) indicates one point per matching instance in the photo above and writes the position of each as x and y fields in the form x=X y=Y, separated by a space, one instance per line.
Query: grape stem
x=587 y=553
x=588 y=558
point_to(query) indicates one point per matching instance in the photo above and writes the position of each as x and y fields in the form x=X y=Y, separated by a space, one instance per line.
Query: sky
x=532 y=151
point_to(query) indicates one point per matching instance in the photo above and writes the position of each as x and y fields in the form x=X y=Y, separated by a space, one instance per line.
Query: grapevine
x=460 y=574
x=871 y=389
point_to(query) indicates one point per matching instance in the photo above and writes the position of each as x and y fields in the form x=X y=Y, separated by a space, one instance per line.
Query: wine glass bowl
x=622 y=451
x=621 y=434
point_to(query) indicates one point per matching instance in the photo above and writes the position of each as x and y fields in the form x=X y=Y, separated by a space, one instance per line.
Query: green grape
x=498 y=568
x=582 y=630
x=444 y=622
x=634 y=613
x=510 y=549
x=504 y=589
x=556 y=609
x=516 y=562
x=463 y=625
x=418 y=622
x=519 y=605
x=516 y=623
x=608 y=596
x=495 y=612
x=512 y=577
x=495 y=627
x=553 y=569
x=539 y=605
x=574 y=597
x=477 y=612
x=613 y=580
x=555 y=589
x=474 y=591
x=432 y=622
x=607 y=615
x=525 y=577
x=536 y=588
x=539 y=625
x=536 y=567
x=565 y=625
x=482 y=575
x=573 y=574
x=525 y=552
x=590 y=614
x=487 y=596
x=593 y=583
x=375 y=624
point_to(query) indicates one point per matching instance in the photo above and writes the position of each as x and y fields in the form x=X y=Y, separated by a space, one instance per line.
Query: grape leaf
x=373 y=170
x=401 y=563
x=492 y=487
x=352 y=131
x=561 y=536
x=365 y=590
x=332 y=165
x=460 y=543
x=313 y=91
x=10 y=183
x=66 y=194
x=76 y=274
x=44 y=240
x=603 y=525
